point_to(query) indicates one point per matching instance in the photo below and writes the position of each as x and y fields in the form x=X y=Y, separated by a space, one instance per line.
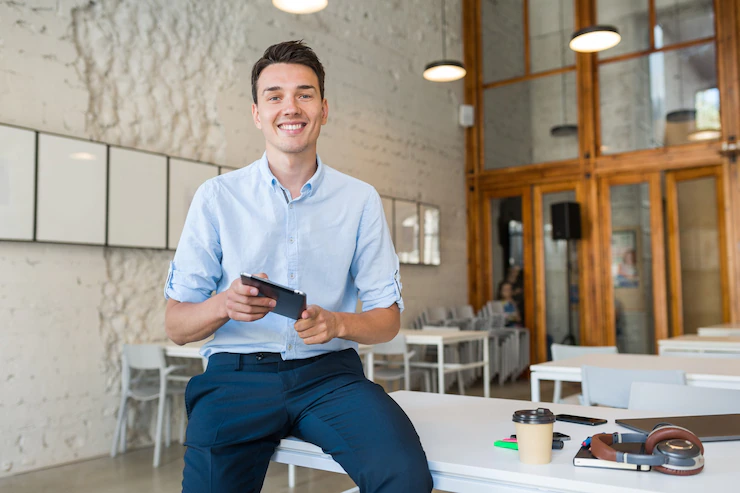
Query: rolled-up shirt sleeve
x=375 y=264
x=196 y=269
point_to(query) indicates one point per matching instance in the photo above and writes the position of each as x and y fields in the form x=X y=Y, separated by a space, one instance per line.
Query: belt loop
x=238 y=362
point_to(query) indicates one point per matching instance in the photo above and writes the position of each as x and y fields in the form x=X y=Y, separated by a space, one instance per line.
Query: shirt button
x=292 y=275
x=290 y=206
x=291 y=239
x=290 y=346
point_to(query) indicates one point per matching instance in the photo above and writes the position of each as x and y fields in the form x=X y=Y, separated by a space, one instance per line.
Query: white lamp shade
x=444 y=71
x=300 y=6
x=594 y=38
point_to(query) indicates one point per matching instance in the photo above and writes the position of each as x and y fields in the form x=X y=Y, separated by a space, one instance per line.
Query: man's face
x=289 y=109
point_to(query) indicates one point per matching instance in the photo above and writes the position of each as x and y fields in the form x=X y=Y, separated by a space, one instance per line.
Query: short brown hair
x=288 y=52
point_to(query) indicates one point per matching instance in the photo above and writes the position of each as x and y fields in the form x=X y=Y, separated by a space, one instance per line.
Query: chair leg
x=168 y=422
x=291 y=475
x=557 y=391
x=119 y=424
x=160 y=422
x=124 y=428
x=427 y=382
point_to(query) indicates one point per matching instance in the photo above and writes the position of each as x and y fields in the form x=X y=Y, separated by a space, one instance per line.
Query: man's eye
x=273 y=98
x=305 y=96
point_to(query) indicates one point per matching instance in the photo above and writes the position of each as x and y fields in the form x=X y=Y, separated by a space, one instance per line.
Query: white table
x=694 y=345
x=729 y=329
x=192 y=350
x=702 y=372
x=440 y=338
x=457 y=433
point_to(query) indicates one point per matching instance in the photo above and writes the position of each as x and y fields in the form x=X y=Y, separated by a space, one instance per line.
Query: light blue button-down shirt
x=332 y=242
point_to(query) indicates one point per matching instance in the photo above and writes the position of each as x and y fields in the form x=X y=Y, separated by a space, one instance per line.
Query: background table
x=192 y=350
x=457 y=433
x=729 y=329
x=694 y=345
x=703 y=372
x=440 y=338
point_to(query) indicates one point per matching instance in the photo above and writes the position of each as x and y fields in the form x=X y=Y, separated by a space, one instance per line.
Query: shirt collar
x=310 y=186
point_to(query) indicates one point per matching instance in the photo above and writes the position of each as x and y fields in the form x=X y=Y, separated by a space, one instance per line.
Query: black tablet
x=289 y=302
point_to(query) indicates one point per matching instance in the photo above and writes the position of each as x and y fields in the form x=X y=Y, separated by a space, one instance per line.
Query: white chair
x=138 y=362
x=436 y=315
x=676 y=400
x=390 y=371
x=612 y=386
x=564 y=351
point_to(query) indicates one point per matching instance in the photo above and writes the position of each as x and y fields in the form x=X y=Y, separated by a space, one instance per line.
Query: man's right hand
x=243 y=303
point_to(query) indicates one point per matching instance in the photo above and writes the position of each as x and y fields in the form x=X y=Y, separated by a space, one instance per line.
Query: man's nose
x=291 y=108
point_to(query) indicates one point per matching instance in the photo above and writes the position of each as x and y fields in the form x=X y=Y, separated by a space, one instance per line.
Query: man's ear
x=256 y=116
x=324 y=111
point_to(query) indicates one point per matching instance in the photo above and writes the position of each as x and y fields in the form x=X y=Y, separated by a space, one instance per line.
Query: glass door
x=557 y=278
x=697 y=249
x=508 y=253
x=633 y=261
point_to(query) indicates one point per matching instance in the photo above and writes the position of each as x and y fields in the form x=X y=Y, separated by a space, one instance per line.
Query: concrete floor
x=133 y=472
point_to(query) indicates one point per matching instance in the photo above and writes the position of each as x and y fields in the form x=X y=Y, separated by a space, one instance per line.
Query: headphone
x=668 y=449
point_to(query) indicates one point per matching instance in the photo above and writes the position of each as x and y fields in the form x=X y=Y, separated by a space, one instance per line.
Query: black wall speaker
x=566 y=221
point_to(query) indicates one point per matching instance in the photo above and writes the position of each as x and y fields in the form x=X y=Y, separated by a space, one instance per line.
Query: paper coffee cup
x=534 y=435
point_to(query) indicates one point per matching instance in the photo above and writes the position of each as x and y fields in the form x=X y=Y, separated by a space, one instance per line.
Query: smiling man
x=305 y=225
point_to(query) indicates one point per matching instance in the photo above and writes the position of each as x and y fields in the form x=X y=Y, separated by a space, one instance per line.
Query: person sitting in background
x=506 y=295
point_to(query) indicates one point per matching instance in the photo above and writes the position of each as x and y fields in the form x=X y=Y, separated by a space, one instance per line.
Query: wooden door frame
x=487 y=287
x=539 y=338
x=676 y=297
x=660 y=315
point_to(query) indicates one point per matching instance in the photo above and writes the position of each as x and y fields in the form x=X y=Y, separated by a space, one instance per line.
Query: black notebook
x=584 y=458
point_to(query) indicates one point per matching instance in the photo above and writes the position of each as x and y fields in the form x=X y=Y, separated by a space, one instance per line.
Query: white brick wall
x=116 y=72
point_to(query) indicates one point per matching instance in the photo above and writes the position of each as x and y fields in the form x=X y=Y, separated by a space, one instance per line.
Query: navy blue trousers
x=244 y=404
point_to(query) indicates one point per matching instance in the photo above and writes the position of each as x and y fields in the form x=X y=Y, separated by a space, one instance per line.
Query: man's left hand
x=317 y=325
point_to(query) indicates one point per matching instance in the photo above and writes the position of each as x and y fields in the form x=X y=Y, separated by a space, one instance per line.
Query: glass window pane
x=429 y=234
x=407 y=231
x=699 y=250
x=560 y=323
x=550 y=26
x=631 y=268
x=631 y=18
x=663 y=99
x=520 y=119
x=682 y=20
x=503 y=39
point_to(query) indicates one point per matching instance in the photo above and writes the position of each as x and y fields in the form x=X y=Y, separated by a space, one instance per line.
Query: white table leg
x=441 y=367
x=291 y=475
x=535 y=382
x=486 y=369
x=370 y=366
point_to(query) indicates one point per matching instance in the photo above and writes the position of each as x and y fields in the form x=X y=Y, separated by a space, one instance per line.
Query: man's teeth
x=291 y=127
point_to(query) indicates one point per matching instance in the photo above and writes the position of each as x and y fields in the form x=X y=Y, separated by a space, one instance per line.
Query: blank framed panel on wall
x=406 y=217
x=429 y=216
x=17 y=183
x=137 y=203
x=388 y=209
x=185 y=178
x=71 y=190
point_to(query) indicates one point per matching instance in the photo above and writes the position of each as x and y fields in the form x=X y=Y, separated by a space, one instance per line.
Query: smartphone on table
x=580 y=420
x=289 y=302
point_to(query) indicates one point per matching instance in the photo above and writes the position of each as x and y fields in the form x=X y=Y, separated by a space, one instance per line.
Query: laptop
x=712 y=428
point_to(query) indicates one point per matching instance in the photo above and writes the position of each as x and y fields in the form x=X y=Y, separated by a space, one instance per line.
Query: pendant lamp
x=680 y=122
x=444 y=70
x=564 y=129
x=300 y=6
x=593 y=39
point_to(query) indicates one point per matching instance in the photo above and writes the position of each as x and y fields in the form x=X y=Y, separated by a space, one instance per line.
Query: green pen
x=509 y=445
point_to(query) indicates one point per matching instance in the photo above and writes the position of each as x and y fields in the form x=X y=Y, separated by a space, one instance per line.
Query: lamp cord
x=562 y=60
x=444 y=32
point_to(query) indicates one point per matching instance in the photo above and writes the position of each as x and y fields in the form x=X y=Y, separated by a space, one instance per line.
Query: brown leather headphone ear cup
x=676 y=472
x=668 y=433
x=601 y=447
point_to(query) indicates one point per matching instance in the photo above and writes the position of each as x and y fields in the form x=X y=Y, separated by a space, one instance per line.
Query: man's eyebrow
x=271 y=88
x=303 y=87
